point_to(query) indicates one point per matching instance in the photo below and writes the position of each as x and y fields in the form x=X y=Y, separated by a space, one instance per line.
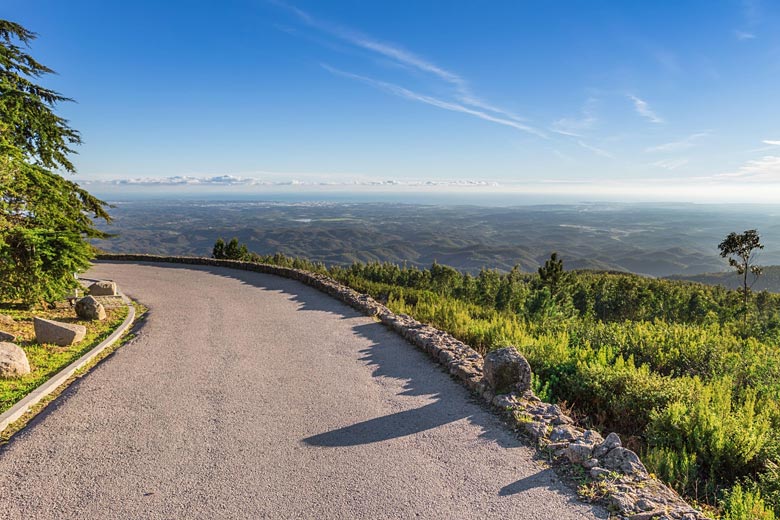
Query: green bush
x=726 y=434
x=676 y=468
x=745 y=504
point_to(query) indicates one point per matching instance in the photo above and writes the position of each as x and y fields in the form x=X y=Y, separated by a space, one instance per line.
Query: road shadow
x=308 y=298
x=390 y=356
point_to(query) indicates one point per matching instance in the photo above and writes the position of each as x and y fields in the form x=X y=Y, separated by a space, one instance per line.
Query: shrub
x=745 y=504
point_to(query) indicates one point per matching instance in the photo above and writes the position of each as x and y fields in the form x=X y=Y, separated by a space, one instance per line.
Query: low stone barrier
x=626 y=487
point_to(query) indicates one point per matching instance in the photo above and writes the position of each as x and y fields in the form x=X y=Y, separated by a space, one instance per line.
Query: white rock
x=13 y=360
x=103 y=288
x=62 y=334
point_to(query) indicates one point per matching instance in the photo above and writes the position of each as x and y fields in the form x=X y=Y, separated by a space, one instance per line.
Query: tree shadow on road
x=390 y=356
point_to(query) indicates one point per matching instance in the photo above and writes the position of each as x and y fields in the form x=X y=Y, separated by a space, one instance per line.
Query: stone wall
x=619 y=479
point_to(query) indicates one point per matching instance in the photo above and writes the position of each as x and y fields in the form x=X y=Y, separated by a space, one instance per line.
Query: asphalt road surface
x=250 y=396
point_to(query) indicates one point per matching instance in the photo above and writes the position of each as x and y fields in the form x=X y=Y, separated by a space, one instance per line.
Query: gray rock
x=62 y=334
x=5 y=336
x=645 y=504
x=13 y=360
x=652 y=515
x=598 y=472
x=504 y=401
x=579 y=452
x=103 y=288
x=621 y=501
x=564 y=432
x=536 y=429
x=506 y=370
x=592 y=437
x=90 y=309
x=611 y=442
x=590 y=463
x=626 y=461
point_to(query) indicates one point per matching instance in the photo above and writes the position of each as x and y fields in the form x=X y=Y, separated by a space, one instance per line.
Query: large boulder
x=13 y=360
x=506 y=370
x=89 y=308
x=62 y=334
x=103 y=288
x=6 y=336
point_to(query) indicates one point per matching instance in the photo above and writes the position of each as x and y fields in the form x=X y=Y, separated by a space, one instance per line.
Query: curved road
x=251 y=396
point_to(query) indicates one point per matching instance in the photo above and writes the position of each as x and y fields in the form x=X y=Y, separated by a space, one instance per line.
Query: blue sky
x=662 y=100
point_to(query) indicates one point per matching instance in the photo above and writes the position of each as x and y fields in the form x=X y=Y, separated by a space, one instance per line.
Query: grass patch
x=46 y=360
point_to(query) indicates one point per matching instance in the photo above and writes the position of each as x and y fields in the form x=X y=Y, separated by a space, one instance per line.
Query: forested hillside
x=687 y=375
x=768 y=281
x=657 y=240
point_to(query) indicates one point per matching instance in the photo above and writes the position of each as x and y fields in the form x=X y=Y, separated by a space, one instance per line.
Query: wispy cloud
x=401 y=56
x=682 y=144
x=765 y=169
x=751 y=14
x=597 y=151
x=644 y=110
x=399 y=91
x=575 y=126
x=671 y=164
x=770 y=145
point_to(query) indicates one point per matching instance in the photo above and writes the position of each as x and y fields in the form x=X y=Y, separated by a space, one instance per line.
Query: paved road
x=250 y=396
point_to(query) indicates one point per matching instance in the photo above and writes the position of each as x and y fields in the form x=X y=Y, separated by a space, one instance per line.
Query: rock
x=5 y=336
x=13 y=360
x=650 y=515
x=564 y=432
x=504 y=401
x=506 y=370
x=622 y=459
x=7 y=321
x=90 y=309
x=645 y=505
x=592 y=437
x=579 y=452
x=590 y=463
x=621 y=501
x=598 y=472
x=536 y=429
x=611 y=442
x=62 y=334
x=103 y=288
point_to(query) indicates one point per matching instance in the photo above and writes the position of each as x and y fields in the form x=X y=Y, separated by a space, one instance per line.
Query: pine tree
x=551 y=274
x=45 y=219
x=219 y=249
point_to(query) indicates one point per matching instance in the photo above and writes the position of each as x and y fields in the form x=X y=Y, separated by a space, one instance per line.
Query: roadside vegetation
x=46 y=360
x=688 y=374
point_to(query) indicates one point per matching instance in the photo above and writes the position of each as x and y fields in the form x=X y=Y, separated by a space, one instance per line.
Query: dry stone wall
x=619 y=479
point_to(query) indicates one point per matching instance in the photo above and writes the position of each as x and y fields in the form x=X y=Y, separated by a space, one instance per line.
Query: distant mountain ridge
x=645 y=239
x=768 y=281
